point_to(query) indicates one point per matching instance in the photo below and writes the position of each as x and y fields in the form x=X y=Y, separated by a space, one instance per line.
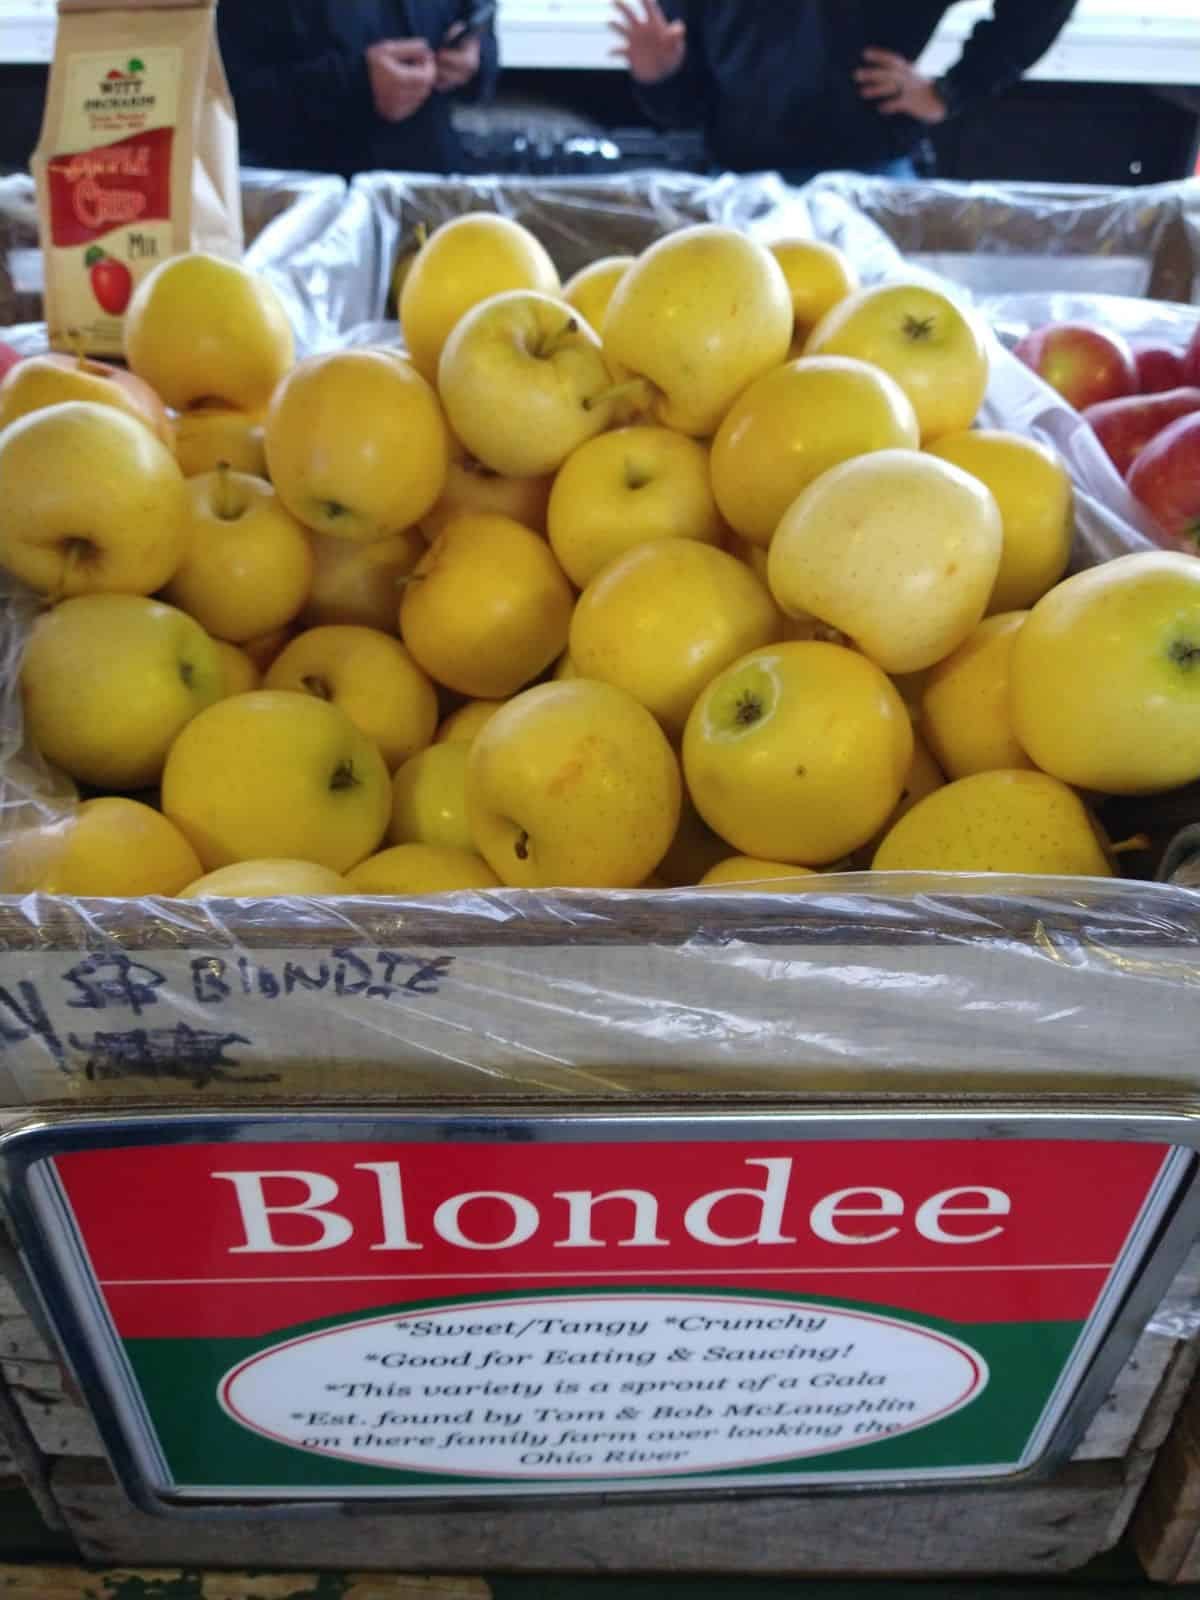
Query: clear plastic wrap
x=863 y=985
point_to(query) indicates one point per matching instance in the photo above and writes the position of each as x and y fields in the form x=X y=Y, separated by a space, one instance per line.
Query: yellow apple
x=90 y=502
x=487 y=609
x=472 y=488
x=463 y=263
x=818 y=276
x=564 y=668
x=798 y=753
x=111 y=847
x=266 y=880
x=239 y=675
x=964 y=708
x=202 y=329
x=935 y=350
x=524 y=383
x=275 y=775
x=796 y=423
x=108 y=681
x=206 y=436
x=625 y=488
x=429 y=799
x=700 y=315
x=573 y=785
x=897 y=550
x=761 y=877
x=420 y=869
x=1105 y=690
x=1033 y=491
x=357 y=445
x=464 y=725
x=263 y=650
x=662 y=620
x=1014 y=822
x=592 y=287
x=248 y=566
x=924 y=776
x=359 y=583
x=694 y=849
x=371 y=677
x=51 y=380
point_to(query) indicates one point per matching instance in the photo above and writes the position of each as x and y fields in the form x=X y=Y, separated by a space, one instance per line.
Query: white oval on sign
x=602 y=1385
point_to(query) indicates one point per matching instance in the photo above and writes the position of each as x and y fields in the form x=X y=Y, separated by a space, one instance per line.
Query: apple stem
x=544 y=349
x=521 y=848
x=1129 y=847
x=227 y=503
x=636 y=389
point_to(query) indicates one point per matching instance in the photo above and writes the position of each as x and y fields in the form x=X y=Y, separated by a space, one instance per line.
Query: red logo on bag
x=94 y=191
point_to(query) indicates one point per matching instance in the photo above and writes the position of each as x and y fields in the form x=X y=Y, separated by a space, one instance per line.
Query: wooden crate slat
x=79 y=1583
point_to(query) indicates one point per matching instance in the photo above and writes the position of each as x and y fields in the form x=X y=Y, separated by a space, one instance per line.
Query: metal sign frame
x=57 y=1264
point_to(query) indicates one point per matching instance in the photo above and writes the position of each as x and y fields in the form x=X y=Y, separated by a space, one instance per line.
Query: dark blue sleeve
x=1004 y=47
x=482 y=87
x=284 y=83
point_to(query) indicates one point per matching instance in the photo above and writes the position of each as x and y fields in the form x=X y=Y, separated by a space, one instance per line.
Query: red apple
x=1158 y=368
x=1126 y=427
x=8 y=357
x=1165 y=478
x=1086 y=365
x=1191 y=359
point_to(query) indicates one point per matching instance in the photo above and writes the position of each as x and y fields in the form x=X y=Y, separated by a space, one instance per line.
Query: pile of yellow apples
x=693 y=570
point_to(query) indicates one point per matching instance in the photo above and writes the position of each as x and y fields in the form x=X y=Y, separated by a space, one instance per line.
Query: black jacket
x=770 y=80
x=298 y=74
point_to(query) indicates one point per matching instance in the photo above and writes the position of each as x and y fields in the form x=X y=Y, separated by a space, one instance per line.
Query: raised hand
x=402 y=73
x=651 y=47
x=896 y=86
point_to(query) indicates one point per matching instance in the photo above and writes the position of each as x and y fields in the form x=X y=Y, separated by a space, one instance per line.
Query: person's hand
x=897 y=87
x=402 y=73
x=651 y=47
x=457 y=63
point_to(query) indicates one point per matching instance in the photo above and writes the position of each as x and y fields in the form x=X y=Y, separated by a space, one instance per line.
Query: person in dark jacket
x=804 y=86
x=353 y=85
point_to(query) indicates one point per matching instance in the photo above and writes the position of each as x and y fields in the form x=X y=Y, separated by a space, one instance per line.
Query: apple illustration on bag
x=112 y=281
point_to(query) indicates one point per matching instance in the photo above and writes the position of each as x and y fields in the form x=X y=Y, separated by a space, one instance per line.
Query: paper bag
x=137 y=160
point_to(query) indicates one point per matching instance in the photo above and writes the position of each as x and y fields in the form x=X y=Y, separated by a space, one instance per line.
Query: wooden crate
x=1045 y=1528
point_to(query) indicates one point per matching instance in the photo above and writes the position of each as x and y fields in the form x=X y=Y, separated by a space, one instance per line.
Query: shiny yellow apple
x=1104 y=676
x=795 y=423
x=464 y=725
x=206 y=436
x=1033 y=491
x=274 y=775
x=110 y=847
x=359 y=583
x=420 y=869
x=592 y=287
x=1015 y=822
x=625 y=488
x=524 y=383
x=51 y=380
x=699 y=316
x=819 y=277
x=798 y=753
x=757 y=877
x=202 y=329
x=573 y=785
x=90 y=502
x=463 y=263
x=248 y=565
x=487 y=609
x=934 y=349
x=965 y=712
x=662 y=620
x=429 y=799
x=371 y=677
x=357 y=445
x=472 y=488
x=897 y=550
x=266 y=880
x=109 y=680
x=239 y=675
x=694 y=850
